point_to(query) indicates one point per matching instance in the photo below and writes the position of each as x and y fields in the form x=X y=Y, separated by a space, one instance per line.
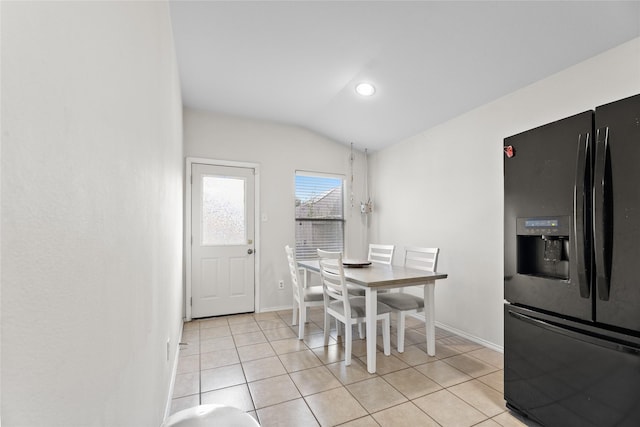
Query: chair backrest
x=334 y=285
x=295 y=273
x=421 y=258
x=382 y=254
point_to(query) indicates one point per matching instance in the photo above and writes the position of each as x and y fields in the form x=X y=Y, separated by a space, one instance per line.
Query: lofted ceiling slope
x=297 y=62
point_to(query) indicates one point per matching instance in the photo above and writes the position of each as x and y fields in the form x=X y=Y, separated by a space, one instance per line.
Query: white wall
x=91 y=213
x=444 y=187
x=280 y=150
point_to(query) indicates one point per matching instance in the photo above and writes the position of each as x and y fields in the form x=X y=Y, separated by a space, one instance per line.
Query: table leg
x=371 y=307
x=430 y=317
x=307 y=277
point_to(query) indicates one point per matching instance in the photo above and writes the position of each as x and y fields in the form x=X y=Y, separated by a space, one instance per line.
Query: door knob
x=250 y=251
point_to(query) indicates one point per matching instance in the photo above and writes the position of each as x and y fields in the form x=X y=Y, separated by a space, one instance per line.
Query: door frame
x=187 y=225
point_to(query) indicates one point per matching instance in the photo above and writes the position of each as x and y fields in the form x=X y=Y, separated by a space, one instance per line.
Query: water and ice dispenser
x=543 y=246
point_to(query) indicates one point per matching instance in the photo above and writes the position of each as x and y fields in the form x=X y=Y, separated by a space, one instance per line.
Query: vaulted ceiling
x=297 y=62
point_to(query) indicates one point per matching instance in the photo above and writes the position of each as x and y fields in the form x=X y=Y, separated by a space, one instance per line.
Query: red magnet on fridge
x=510 y=151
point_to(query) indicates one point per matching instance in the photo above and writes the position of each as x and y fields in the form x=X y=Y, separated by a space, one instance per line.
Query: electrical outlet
x=281 y=284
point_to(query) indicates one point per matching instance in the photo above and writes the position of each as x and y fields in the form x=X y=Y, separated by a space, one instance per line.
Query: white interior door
x=222 y=240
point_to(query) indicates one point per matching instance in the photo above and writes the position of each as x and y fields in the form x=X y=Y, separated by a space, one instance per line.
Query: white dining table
x=380 y=276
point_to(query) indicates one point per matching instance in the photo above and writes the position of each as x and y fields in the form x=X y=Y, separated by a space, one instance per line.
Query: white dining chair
x=382 y=254
x=347 y=309
x=403 y=303
x=303 y=297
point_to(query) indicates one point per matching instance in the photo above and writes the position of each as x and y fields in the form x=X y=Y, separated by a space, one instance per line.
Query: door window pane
x=223 y=211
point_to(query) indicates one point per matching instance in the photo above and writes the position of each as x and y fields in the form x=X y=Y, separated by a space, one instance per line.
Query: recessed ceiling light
x=365 y=89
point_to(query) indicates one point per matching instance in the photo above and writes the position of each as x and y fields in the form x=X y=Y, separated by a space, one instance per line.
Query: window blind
x=319 y=214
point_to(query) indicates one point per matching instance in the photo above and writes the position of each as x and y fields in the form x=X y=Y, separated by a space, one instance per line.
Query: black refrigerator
x=572 y=269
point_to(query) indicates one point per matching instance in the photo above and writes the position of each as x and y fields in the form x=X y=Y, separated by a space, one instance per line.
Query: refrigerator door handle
x=579 y=196
x=600 y=214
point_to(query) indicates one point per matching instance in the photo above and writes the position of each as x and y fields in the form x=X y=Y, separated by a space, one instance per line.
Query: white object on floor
x=211 y=415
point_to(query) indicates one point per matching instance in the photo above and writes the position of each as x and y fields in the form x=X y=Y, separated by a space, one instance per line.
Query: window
x=319 y=214
x=223 y=211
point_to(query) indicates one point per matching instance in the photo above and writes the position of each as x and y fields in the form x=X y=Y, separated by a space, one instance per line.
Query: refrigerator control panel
x=546 y=226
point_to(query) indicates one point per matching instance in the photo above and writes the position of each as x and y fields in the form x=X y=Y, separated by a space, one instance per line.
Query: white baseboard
x=281 y=308
x=463 y=334
x=174 y=371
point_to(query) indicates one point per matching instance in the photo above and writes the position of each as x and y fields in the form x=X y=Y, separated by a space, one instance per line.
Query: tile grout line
x=326 y=364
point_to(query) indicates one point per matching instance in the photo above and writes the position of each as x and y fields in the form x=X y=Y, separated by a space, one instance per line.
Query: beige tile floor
x=255 y=362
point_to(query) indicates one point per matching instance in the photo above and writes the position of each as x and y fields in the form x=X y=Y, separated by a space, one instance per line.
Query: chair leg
x=361 y=330
x=327 y=326
x=386 y=334
x=401 y=323
x=294 y=315
x=303 y=320
x=347 y=344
